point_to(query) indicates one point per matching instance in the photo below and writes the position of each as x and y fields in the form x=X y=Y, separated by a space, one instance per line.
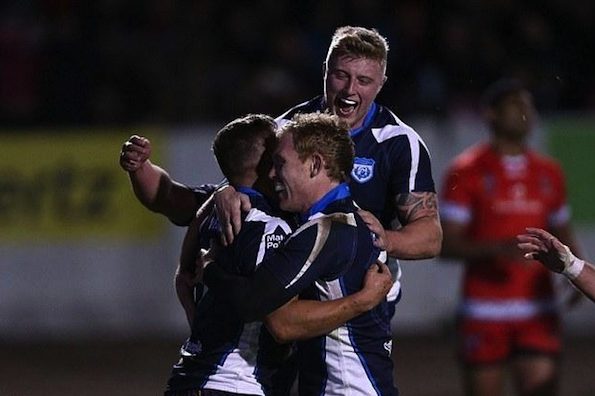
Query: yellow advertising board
x=68 y=185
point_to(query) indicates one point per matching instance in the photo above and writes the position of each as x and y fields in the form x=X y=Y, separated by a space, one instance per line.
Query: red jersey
x=498 y=197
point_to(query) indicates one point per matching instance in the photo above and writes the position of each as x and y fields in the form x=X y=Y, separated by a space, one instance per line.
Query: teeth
x=348 y=102
x=279 y=187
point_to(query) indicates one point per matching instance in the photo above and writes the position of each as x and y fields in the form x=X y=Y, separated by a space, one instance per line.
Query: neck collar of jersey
x=367 y=121
x=248 y=191
x=340 y=192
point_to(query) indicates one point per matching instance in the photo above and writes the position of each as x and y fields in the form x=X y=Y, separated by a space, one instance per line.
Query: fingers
x=134 y=152
x=229 y=205
x=382 y=267
x=371 y=221
x=227 y=233
x=540 y=233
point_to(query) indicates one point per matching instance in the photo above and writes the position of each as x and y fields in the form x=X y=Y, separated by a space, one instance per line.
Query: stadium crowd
x=105 y=62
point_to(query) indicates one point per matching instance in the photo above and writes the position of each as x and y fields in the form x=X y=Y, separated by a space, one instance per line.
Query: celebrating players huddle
x=292 y=248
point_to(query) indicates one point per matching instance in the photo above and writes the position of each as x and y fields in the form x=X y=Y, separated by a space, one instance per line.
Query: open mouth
x=279 y=187
x=345 y=107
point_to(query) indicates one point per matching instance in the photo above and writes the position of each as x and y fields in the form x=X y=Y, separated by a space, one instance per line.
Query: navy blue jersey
x=391 y=158
x=324 y=259
x=222 y=352
x=201 y=194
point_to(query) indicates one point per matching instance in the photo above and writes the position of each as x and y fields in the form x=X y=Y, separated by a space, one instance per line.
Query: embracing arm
x=420 y=236
x=251 y=297
x=301 y=319
x=189 y=273
x=153 y=186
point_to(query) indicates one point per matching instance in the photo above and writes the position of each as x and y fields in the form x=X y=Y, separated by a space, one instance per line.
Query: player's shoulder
x=309 y=106
x=388 y=127
x=262 y=215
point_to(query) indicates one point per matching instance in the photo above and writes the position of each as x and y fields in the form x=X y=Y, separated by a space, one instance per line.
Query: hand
x=134 y=153
x=229 y=205
x=538 y=244
x=374 y=225
x=377 y=283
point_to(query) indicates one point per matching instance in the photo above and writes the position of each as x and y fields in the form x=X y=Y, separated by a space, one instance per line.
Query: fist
x=135 y=151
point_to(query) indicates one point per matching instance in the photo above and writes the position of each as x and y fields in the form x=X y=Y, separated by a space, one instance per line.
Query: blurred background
x=87 y=304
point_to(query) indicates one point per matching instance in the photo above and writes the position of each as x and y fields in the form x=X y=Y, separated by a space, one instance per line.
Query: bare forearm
x=147 y=181
x=185 y=293
x=420 y=236
x=586 y=281
x=420 y=239
x=156 y=190
x=302 y=319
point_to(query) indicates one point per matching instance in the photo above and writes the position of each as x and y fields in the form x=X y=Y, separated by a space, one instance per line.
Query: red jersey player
x=492 y=192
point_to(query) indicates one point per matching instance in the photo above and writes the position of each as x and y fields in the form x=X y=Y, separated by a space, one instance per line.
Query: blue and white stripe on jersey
x=275 y=231
x=398 y=159
x=416 y=144
x=223 y=353
x=326 y=259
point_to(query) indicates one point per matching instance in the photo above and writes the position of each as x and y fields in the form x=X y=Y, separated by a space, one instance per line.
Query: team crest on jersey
x=363 y=169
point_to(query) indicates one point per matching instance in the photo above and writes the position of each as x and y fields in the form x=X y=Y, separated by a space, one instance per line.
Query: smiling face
x=291 y=176
x=351 y=84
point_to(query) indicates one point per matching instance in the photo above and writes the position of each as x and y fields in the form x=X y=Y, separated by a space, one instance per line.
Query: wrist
x=362 y=302
x=573 y=265
x=223 y=184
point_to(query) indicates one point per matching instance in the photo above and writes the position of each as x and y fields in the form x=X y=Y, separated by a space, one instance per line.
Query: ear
x=384 y=78
x=316 y=165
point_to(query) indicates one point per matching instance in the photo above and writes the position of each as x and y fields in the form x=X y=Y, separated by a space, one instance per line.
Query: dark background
x=65 y=62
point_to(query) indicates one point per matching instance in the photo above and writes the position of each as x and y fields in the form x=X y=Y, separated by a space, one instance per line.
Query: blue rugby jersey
x=390 y=159
x=324 y=259
x=223 y=353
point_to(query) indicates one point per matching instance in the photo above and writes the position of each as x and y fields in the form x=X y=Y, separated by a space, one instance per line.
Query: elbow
x=435 y=246
x=435 y=239
x=278 y=331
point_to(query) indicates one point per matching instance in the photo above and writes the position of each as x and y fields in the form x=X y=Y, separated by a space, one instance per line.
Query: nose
x=350 y=86
x=272 y=172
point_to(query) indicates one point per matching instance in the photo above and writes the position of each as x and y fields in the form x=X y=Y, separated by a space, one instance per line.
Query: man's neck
x=509 y=146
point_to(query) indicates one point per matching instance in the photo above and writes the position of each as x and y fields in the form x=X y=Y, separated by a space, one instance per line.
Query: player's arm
x=538 y=244
x=252 y=297
x=153 y=186
x=585 y=281
x=229 y=205
x=301 y=319
x=189 y=273
x=307 y=255
x=421 y=233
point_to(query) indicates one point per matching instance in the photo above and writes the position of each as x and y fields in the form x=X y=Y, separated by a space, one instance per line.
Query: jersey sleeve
x=201 y=194
x=311 y=253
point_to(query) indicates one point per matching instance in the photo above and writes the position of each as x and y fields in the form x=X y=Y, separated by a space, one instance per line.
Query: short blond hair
x=326 y=135
x=358 y=42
